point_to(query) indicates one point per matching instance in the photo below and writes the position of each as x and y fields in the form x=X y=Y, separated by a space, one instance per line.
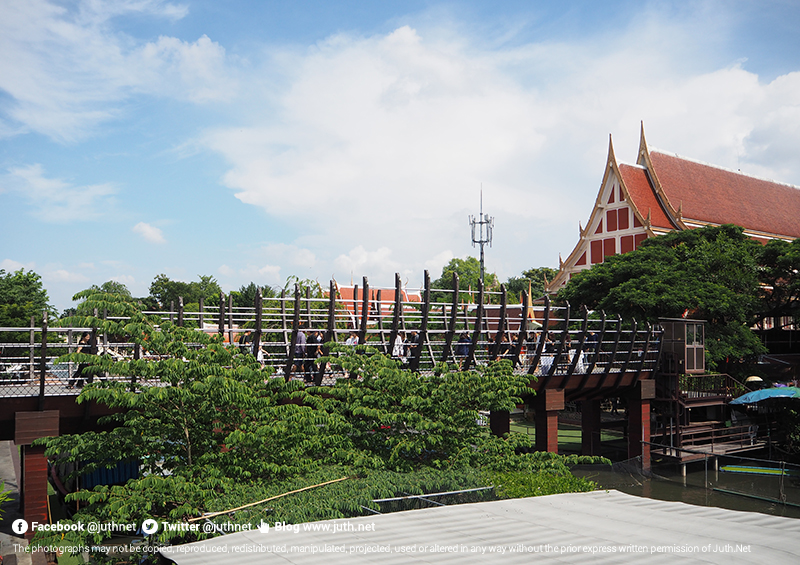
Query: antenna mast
x=482 y=227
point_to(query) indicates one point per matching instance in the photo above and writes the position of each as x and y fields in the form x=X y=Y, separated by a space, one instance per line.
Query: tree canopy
x=710 y=273
x=212 y=430
x=166 y=291
x=22 y=296
x=535 y=279
x=469 y=275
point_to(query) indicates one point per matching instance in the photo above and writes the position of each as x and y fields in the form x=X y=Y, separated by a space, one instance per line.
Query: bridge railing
x=467 y=329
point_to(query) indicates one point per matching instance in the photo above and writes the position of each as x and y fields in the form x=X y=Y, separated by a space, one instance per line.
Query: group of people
x=405 y=346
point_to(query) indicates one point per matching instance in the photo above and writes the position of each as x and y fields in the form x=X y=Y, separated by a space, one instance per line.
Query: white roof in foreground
x=596 y=527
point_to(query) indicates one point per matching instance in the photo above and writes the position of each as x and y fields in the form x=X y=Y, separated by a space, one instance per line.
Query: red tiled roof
x=713 y=195
x=638 y=185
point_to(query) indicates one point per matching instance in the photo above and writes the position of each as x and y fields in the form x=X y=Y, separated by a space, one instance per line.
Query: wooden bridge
x=571 y=355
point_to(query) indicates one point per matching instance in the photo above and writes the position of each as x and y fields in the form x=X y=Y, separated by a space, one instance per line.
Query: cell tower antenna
x=481 y=231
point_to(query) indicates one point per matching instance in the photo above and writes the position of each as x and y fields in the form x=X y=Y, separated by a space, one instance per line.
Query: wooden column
x=590 y=427
x=639 y=420
x=547 y=403
x=499 y=423
x=29 y=426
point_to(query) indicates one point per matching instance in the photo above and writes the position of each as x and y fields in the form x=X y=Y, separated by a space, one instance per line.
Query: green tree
x=22 y=296
x=469 y=275
x=211 y=432
x=710 y=273
x=166 y=291
x=245 y=297
x=535 y=279
x=780 y=279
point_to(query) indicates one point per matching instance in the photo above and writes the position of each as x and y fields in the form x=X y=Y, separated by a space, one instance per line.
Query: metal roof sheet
x=597 y=527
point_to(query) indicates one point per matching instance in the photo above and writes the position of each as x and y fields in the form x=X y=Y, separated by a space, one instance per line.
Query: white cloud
x=64 y=276
x=225 y=271
x=66 y=70
x=383 y=142
x=150 y=233
x=10 y=265
x=127 y=280
x=55 y=200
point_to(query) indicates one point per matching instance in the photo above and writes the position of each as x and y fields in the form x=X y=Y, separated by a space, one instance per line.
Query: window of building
x=626 y=243
x=582 y=260
x=599 y=227
x=638 y=239
x=611 y=220
x=609 y=246
x=622 y=219
x=597 y=251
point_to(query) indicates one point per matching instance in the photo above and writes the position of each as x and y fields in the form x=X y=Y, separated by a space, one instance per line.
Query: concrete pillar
x=547 y=403
x=590 y=427
x=33 y=491
x=639 y=421
x=499 y=423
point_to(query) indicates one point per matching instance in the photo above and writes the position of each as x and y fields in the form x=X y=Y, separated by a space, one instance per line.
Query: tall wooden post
x=259 y=306
x=422 y=339
x=43 y=360
x=362 y=331
x=221 y=323
x=639 y=420
x=447 y=352
x=180 y=311
x=547 y=403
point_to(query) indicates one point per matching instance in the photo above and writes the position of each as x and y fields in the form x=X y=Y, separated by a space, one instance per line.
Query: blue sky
x=256 y=140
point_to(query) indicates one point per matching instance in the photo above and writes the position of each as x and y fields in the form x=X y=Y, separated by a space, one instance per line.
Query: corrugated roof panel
x=597 y=527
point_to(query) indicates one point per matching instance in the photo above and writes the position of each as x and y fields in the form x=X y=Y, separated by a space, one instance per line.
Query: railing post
x=284 y=322
x=476 y=334
x=451 y=331
x=560 y=352
x=43 y=360
x=180 y=311
x=501 y=325
x=542 y=336
x=171 y=311
x=522 y=334
x=30 y=349
x=221 y=321
x=230 y=319
x=362 y=331
x=423 y=330
x=398 y=304
x=200 y=314
x=258 y=304
x=582 y=340
x=295 y=327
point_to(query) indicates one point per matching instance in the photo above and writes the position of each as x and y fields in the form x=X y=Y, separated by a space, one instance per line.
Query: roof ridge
x=719 y=168
x=634 y=165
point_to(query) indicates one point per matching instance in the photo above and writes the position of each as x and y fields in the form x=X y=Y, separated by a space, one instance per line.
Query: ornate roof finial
x=560 y=261
x=648 y=220
x=680 y=210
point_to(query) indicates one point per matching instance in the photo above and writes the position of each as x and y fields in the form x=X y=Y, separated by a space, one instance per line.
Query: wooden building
x=663 y=192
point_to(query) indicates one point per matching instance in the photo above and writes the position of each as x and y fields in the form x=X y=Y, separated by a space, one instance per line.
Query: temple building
x=663 y=192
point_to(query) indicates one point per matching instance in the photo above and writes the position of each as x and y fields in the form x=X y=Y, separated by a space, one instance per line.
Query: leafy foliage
x=21 y=296
x=212 y=431
x=469 y=275
x=166 y=291
x=780 y=277
x=710 y=272
x=535 y=278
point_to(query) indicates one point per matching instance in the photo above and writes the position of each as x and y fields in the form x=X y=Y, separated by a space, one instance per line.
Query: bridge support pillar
x=590 y=427
x=499 y=423
x=547 y=403
x=29 y=426
x=33 y=491
x=639 y=421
